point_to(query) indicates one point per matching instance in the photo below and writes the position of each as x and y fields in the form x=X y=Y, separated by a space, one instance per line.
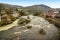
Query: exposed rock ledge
x=36 y=28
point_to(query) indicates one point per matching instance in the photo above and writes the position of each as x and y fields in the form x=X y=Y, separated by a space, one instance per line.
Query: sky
x=51 y=3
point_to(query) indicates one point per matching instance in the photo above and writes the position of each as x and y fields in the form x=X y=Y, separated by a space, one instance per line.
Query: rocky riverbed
x=30 y=28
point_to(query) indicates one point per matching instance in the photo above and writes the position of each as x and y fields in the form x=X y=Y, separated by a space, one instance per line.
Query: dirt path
x=9 y=26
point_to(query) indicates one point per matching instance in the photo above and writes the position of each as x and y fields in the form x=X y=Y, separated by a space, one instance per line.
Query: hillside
x=32 y=8
x=9 y=6
x=41 y=7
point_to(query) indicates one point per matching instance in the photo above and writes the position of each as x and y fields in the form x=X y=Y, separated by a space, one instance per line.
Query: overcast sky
x=51 y=3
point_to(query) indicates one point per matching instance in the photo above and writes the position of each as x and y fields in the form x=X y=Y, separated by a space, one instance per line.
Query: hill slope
x=9 y=6
x=41 y=7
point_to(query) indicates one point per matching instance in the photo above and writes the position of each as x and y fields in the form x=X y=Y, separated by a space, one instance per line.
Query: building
x=57 y=14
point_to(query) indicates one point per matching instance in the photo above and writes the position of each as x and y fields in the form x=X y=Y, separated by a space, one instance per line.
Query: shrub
x=1 y=23
x=24 y=21
x=29 y=27
x=37 y=13
x=41 y=32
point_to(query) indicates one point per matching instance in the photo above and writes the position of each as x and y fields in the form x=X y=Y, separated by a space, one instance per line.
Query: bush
x=29 y=27
x=36 y=13
x=1 y=23
x=5 y=23
x=41 y=32
x=24 y=21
